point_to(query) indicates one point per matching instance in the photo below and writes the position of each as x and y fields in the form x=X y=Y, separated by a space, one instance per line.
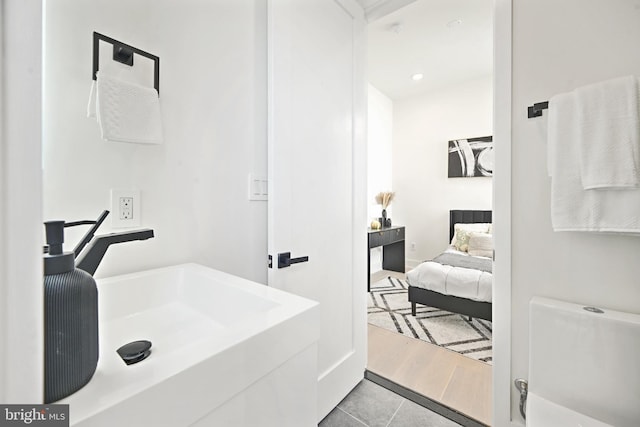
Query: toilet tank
x=585 y=360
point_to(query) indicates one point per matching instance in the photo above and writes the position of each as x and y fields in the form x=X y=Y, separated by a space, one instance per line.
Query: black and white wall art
x=471 y=157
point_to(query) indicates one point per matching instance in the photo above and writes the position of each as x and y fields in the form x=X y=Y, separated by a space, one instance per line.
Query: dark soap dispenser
x=71 y=320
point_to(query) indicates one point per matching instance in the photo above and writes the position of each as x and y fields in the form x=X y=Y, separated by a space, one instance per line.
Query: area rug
x=389 y=308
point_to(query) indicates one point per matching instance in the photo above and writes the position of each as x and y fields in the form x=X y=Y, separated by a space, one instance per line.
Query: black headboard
x=466 y=217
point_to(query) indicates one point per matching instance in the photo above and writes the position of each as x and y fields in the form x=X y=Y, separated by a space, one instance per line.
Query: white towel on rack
x=572 y=207
x=127 y=112
x=608 y=129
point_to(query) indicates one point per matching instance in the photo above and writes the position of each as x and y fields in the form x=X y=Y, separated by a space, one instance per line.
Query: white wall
x=379 y=153
x=422 y=126
x=213 y=98
x=556 y=47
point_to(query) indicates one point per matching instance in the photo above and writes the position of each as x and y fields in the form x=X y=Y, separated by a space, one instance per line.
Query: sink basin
x=178 y=306
x=214 y=336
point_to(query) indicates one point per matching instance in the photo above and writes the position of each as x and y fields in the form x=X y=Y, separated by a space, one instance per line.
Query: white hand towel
x=572 y=207
x=608 y=129
x=128 y=112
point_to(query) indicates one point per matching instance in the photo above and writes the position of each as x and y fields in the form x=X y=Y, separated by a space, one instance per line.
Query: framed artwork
x=471 y=157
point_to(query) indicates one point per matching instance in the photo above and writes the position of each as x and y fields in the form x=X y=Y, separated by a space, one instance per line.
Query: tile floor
x=370 y=405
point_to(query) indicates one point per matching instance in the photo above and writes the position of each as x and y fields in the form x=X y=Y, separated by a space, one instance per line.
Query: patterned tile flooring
x=370 y=405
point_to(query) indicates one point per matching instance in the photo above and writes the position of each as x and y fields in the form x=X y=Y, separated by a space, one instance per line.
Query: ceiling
x=448 y=41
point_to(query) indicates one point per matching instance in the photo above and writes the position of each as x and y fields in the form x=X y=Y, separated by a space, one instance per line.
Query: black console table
x=392 y=241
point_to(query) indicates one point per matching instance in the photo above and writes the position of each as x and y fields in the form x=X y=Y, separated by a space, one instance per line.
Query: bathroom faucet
x=89 y=259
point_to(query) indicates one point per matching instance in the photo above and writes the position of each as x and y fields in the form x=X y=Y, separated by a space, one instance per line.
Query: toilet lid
x=543 y=413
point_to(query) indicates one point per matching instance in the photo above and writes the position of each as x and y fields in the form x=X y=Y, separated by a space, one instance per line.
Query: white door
x=317 y=177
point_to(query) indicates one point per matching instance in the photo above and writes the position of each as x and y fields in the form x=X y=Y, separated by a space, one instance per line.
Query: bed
x=423 y=290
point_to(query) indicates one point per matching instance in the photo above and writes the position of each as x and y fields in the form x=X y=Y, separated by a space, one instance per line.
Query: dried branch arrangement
x=384 y=198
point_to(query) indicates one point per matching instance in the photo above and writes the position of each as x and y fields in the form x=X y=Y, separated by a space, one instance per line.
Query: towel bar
x=123 y=53
x=535 y=110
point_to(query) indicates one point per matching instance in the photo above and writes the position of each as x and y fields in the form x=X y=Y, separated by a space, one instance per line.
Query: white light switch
x=257 y=188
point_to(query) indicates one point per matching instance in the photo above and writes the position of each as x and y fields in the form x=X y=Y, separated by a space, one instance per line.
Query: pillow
x=461 y=233
x=461 y=240
x=480 y=244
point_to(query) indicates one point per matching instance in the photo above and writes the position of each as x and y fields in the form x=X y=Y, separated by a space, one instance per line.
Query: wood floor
x=456 y=381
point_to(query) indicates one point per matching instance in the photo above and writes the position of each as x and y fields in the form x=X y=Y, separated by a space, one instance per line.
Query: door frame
x=21 y=291
x=504 y=400
x=502 y=93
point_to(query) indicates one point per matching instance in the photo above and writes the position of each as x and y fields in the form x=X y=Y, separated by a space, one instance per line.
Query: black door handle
x=285 y=260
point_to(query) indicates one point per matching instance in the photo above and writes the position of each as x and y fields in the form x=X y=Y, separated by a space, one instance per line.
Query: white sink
x=214 y=337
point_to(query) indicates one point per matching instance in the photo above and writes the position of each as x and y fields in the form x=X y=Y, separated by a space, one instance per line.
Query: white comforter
x=445 y=279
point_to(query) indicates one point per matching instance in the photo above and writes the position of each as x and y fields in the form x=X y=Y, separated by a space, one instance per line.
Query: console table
x=392 y=241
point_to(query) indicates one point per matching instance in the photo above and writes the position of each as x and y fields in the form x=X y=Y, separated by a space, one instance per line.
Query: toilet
x=584 y=366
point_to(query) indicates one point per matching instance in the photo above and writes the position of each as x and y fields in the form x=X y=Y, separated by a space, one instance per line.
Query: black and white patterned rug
x=389 y=308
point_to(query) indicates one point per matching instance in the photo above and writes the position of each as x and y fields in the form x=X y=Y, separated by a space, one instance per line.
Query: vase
x=384 y=218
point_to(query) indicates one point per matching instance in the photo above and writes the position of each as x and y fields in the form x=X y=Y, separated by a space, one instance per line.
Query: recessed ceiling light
x=417 y=76
x=454 y=23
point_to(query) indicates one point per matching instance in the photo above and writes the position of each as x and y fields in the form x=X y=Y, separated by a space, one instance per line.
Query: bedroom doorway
x=431 y=83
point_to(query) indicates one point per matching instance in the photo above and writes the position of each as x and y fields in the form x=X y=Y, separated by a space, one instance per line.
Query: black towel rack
x=123 y=53
x=535 y=110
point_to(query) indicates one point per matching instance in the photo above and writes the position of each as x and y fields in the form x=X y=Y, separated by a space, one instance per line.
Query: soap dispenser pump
x=71 y=319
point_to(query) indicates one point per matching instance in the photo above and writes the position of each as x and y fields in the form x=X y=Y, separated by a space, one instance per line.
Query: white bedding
x=445 y=279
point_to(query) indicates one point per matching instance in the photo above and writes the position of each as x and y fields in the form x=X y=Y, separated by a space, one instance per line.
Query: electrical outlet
x=125 y=208
x=413 y=246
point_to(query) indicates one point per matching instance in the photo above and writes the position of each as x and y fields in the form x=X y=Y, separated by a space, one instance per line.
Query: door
x=317 y=179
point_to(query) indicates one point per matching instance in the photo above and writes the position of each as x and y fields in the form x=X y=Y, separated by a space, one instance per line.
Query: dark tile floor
x=370 y=405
